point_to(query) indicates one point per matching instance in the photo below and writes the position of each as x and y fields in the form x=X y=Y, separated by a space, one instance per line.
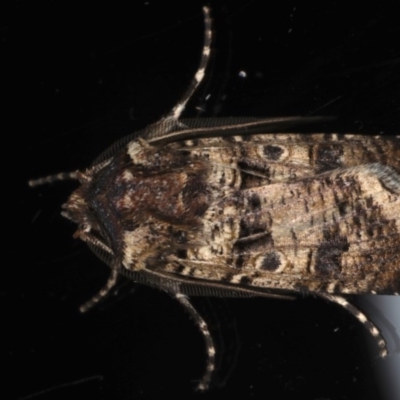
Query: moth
x=226 y=207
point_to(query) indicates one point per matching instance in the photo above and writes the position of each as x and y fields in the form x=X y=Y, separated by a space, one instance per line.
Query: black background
x=77 y=77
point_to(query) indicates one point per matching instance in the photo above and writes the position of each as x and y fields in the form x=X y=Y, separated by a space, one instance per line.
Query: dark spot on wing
x=246 y=280
x=272 y=152
x=328 y=156
x=255 y=202
x=329 y=252
x=271 y=261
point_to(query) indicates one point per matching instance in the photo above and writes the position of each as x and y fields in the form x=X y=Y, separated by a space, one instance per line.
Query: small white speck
x=208 y=96
x=243 y=74
x=290 y=30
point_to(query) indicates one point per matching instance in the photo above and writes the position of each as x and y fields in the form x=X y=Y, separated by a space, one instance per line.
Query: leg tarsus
x=372 y=328
x=204 y=383
x=112 y=280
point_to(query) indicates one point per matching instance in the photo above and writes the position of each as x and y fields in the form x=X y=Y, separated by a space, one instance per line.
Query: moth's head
x=83 y=209
x=78 y=208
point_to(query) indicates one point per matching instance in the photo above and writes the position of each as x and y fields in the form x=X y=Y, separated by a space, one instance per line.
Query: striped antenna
x=62 y=176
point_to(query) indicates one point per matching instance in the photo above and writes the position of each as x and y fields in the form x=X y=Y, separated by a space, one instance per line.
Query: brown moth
x=221 y=207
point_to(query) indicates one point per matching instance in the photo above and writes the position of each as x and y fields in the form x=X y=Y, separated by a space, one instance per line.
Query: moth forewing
x=224 y=207
x=250 y=222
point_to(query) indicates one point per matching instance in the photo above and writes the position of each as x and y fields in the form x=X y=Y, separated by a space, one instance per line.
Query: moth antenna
x=176 y=112
x=210 y=346
x=112 y=280
x=62 y=176
x=372 y=328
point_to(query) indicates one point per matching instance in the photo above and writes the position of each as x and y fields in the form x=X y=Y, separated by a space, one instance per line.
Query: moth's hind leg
x=372 y=328
x=204 y=383
x=112 y=280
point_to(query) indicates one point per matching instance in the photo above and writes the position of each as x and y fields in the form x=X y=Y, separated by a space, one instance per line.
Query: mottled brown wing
x=284 y=157
x=335 y=231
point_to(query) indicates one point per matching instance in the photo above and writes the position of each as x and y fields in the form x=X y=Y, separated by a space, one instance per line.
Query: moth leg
x=373 y=330
x=112 y=280
x=176 y=112
x=210 y=347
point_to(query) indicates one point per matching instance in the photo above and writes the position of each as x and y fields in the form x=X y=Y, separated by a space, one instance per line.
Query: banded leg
x=372 y=329
x=210 y=347
x=112 y=280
